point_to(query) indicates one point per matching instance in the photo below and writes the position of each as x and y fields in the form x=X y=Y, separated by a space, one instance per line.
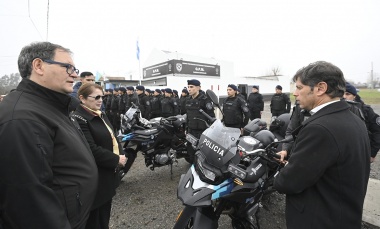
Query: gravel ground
x=148 y=199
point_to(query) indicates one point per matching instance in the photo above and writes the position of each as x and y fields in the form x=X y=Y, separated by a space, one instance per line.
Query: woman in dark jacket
x=107 y=152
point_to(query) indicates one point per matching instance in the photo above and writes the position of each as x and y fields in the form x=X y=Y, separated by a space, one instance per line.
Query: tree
x=276 y=71
x=9 y=82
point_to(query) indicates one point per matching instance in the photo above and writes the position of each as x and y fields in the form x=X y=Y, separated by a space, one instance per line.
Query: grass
x=369 y=96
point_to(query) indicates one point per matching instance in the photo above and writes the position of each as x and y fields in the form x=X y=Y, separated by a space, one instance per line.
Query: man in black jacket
x=182 y=101
x=280 y=103
x=155 y=104
x=325 y=179
x=235 y=109
x=48 y=176
x=255 y=103
x=144 y=102
x=195 y=120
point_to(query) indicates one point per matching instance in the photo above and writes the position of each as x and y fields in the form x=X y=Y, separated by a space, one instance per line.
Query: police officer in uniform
x=155 y=104
x=131 y=98
x=182 y=101
x=108 y=104
x=144 y=102
x=176 y=99
x=122 y=100
x=169 y=106
x=255 y=103
x=280 y=103
x=194 y=103
x=235 y=109
x=372 y=120
x=115 y=108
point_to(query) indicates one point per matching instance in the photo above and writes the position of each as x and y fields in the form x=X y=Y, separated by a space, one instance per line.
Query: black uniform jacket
x=100 y=141
x=48 y=176
x=327 y=174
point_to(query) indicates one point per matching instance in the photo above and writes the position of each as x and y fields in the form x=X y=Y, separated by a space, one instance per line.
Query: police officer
x=144 y=102
x=131 y=98
x=176 y=99
x=372 y=120
x=155 y=104
x=115 y=108
x=108 y=104
x=255 y=103
x=169 y=106
x=280 y=103
x=182 y=101
x=122 y=100
x=194 y=103
x=235 y=109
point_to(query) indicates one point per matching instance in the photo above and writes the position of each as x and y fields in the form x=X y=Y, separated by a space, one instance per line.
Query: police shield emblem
x=178 y=67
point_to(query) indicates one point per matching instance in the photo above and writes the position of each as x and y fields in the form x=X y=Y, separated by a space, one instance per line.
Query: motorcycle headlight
x=208 y=174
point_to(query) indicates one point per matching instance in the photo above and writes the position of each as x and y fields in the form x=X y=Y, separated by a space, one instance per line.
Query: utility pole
x=372 y=83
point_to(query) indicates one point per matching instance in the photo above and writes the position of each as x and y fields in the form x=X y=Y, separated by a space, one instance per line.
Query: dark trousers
x=100 y=217
x=255 y=114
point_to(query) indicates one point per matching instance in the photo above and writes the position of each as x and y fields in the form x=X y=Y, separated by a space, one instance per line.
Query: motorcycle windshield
x=131 y=111
x=218 y=143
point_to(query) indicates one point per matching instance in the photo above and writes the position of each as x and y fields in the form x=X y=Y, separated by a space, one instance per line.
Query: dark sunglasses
x=96 y=97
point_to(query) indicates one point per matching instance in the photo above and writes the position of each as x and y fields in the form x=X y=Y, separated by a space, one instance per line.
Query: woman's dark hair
x=322 y=71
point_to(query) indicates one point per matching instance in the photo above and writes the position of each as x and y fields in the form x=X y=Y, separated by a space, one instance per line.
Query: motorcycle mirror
x=212 y=96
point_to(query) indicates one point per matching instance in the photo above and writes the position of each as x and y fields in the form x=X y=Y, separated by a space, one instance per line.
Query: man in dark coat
x=144 y=102
x=48 y=176
x=235 y=109
x=196 y=101
x=155 y=104
x=325 y=179
x=182 y=101
x=169 y=106
x=280 y=103
x=255 y=103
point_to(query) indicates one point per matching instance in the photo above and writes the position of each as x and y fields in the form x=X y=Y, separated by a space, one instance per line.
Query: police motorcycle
x=230 y=175
x=162 y=141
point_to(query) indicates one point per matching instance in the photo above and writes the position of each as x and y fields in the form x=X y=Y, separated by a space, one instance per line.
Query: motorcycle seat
x=147 y=132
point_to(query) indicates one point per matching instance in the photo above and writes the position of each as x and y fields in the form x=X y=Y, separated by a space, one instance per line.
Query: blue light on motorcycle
x=209 y=174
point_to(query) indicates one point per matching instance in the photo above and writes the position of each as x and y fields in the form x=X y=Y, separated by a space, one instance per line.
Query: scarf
x=114 y=141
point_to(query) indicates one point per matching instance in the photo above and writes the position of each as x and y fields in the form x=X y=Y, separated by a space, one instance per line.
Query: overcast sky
x=255 y=35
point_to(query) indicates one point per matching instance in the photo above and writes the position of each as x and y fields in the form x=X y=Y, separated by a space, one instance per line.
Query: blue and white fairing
x=217 y=149
x=194 y=192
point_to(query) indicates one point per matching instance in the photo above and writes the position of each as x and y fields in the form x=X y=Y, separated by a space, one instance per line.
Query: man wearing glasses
x=48 y=176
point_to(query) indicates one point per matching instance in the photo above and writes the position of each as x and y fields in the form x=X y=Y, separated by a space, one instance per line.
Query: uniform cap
x=194 y=82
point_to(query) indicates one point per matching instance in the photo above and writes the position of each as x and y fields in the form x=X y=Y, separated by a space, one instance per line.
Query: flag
x=98 y=75
x=137 y=50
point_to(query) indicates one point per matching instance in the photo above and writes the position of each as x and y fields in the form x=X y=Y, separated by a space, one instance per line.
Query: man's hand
x=372 y=159
x=122 y=160
x=283 y=155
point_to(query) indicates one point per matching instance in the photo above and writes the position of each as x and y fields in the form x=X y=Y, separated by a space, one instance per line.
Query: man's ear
x=321 y=88
x=38 y=66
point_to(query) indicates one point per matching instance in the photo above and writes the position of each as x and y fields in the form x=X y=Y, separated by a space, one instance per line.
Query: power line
x=32 y=21
x=47 y=21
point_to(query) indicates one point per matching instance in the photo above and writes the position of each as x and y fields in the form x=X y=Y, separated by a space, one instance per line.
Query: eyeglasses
x=69 y=68
x=96 y=97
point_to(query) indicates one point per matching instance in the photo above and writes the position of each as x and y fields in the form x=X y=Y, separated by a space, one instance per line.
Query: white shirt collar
x=317 y=108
